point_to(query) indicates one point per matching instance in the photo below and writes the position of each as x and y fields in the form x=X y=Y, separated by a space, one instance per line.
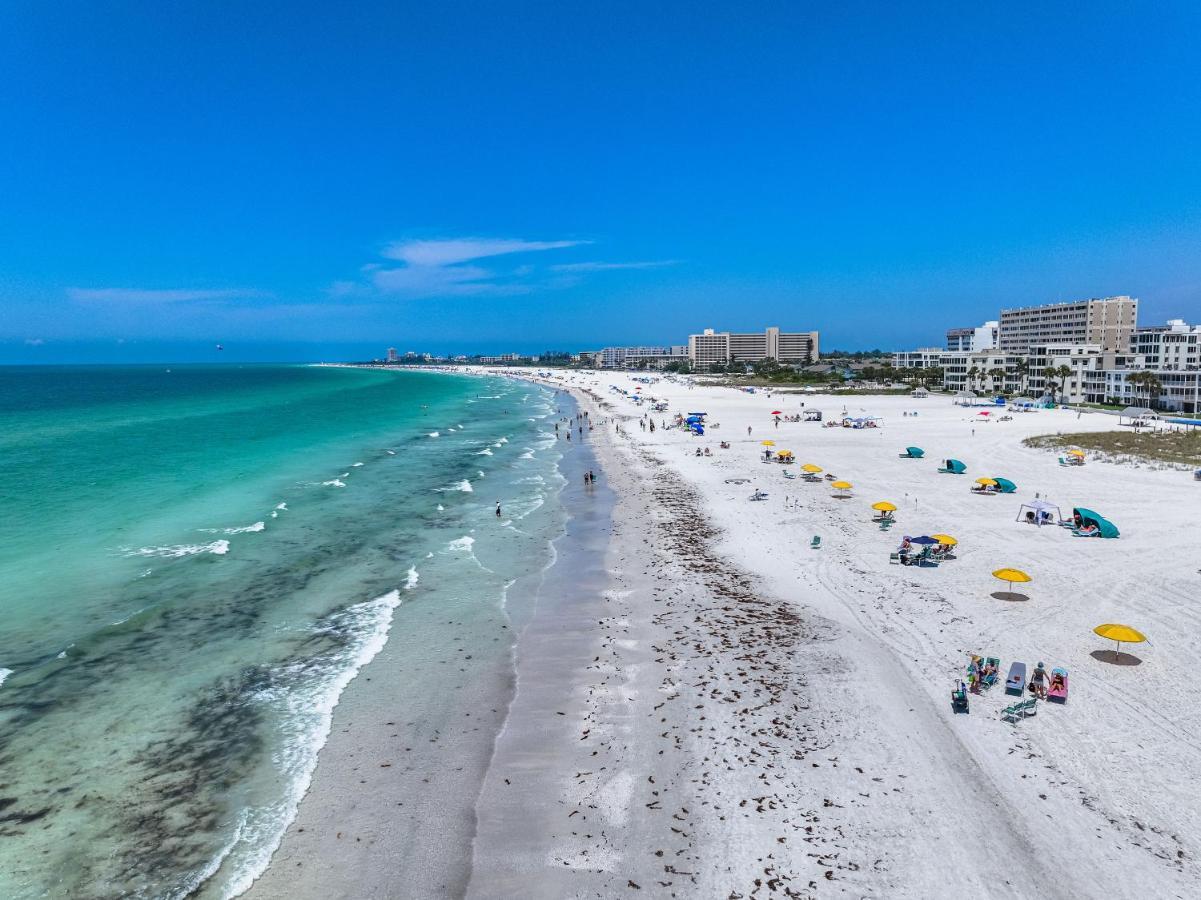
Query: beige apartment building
x=788 y=348
x=1107 y=322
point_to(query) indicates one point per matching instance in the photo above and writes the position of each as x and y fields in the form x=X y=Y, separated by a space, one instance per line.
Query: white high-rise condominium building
x=921 y=358
x=786 y=347
x=1107 y=322
x=972 y=340
x=1173 y=347
x=392 y=357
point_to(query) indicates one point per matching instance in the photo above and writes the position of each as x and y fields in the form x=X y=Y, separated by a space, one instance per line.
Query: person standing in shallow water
x=498 y=509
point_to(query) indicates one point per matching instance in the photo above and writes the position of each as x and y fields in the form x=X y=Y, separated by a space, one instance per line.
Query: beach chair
x=1058 y=692
x=816 y=543
x=991 y=678
x=1012 y=713
x=1029 y=708
x=895 y=557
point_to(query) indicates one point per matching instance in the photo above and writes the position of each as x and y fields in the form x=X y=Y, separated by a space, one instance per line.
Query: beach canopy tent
x=919 y=392
x=1006 y=486
x=1022 y=402
x=966 y=395
x=1135 y=412
x=914 y=452
x=1089 y=519
x=953 y=467
x=1038 y=508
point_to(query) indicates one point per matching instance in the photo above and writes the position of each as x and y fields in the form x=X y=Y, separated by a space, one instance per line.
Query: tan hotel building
x=1107 y=322
x=788 y=348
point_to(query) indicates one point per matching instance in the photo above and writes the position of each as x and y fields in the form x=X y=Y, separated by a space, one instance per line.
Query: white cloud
x=610 y=266
x=34 y=342
x=448 y=268
x=150 y=295
x=448 y=252
x=466 y=267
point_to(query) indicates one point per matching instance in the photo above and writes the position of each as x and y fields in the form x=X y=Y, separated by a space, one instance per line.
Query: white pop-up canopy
x=1038 y=507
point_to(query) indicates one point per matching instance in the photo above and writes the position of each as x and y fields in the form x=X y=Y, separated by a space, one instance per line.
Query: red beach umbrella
x=775 y=412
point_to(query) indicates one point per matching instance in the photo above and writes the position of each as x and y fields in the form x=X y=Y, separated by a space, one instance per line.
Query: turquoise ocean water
x=195 y=561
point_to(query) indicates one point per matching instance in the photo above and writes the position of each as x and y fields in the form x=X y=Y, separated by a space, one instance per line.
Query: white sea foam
x=411 y=579
x=337 y=482
x=433 y=434
x=503 y=440
x=245 y=529
x=484 y=452
x=4 y=673
x=529 y=454
x=441 y=507
x=463 y=485
x=356 y=465
x=390 y=452
x=463 y=543
x=175 y=551
x=309 y=712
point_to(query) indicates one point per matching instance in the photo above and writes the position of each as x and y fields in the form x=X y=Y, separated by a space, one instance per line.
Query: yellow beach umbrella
x=945 y=539
x=991 y=481
x=841 y=485
x=885 y=506
x=768 y=443
x=811 y=468
x=1075 y=453
x=1121 y=634
x=1011 y=576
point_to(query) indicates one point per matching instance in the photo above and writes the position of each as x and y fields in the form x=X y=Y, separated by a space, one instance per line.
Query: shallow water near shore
x=193 y=565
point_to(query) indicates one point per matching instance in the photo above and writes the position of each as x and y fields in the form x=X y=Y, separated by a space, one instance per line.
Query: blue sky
x=320 y=181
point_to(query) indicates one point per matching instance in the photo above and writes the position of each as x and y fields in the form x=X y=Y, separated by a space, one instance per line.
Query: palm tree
x=1064 y=373
x=1022 y=366
x=1049 y=375
x=996 y=375
x=971 y=377
x=1149 y=382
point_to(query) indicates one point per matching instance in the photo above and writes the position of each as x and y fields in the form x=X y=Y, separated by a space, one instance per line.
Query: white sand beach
x=758 y=718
